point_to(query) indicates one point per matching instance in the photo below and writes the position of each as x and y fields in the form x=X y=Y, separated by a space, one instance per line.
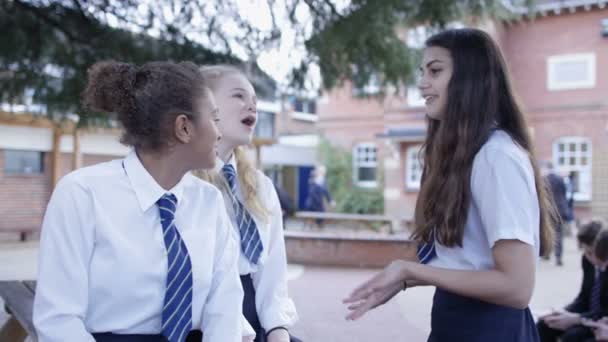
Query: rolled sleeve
x=273 y=304
x=504 y=190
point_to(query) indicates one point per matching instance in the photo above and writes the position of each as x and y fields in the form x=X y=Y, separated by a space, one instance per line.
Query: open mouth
x=429 y=98
x=249 y=121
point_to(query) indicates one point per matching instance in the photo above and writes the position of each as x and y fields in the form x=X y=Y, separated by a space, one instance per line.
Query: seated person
x=600 y=329
x=592 y=300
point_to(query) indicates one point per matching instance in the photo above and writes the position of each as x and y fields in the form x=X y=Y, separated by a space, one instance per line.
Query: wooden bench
x=18 y=299
x=395 y=223
x=23 y=233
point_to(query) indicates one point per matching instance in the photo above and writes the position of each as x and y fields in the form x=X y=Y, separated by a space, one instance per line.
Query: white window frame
x=585 y=176
x=412 y=161
x=305 y=116
x=414 y=99
x=357 y=164
x=554 y=61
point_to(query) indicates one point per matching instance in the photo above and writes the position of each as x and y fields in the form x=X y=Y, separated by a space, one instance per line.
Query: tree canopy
x=47 y=46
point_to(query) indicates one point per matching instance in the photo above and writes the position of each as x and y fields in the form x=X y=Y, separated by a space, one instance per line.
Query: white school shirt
x=273 y=305
x=103 y=262
x=504 y=206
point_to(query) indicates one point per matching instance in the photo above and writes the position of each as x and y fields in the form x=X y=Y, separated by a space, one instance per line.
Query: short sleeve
x=504 y=192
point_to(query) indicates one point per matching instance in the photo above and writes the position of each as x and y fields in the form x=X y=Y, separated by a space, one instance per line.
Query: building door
x=303 y=177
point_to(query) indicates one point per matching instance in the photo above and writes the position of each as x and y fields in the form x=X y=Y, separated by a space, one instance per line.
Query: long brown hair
x=480 y=98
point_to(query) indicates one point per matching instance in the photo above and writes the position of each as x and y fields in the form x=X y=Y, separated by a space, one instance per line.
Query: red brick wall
x=23 y=198
x=287 y=125
x=552 y=114
x=341 y=106
x=528 y=44
x=311 y=249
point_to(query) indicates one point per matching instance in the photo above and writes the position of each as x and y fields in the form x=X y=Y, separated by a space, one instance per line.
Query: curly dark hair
x=145 y=98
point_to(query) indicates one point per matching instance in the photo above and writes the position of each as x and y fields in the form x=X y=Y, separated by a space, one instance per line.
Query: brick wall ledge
x=341 y=235
x=357 y=249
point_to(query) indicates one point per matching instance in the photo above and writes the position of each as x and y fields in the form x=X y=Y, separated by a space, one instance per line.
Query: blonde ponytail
x=248 y=184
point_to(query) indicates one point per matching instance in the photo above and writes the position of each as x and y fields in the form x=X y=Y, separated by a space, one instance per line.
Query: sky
x=280 y=60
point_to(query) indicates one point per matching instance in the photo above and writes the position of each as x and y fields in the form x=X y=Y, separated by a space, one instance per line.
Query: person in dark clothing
x=570 y=190
x=558 y=191
x=287 y=206
x=592 y=300
x=318 y=193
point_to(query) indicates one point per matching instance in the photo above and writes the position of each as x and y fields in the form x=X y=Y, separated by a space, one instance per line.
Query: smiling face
x=236 y=101
x=435 y=75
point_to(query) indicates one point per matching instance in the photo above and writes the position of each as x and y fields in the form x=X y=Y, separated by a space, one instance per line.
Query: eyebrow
x=428 y=65
x=433 y=61
x=243 y=90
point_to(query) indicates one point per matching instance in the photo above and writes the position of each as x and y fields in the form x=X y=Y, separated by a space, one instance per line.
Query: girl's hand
x=378 y=290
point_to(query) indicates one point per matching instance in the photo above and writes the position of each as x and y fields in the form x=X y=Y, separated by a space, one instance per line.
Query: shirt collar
x=147 y=190
x=219 y=164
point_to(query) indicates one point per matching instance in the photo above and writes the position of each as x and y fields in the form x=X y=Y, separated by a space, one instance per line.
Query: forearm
x=415 y=283
x=278 y=335
x=491 y=286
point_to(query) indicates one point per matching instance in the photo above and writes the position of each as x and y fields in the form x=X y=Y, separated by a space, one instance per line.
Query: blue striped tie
x=595 y=293
x=251 y=244
x=177 y=308
x=426 y=251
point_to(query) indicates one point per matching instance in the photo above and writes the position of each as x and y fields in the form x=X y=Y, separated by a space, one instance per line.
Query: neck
x=166 y=169
x=225 y=150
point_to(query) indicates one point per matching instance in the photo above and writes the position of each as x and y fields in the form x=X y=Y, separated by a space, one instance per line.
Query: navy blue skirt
x=459 y=318
x=249 y=310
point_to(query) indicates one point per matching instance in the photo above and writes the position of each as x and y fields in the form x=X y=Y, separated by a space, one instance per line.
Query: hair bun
x=111 y=87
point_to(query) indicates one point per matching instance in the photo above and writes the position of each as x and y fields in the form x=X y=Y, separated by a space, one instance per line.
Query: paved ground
x=318 y=291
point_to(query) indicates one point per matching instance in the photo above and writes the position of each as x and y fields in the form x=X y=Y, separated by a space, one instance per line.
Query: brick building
x=35 y=153
x=558 y=63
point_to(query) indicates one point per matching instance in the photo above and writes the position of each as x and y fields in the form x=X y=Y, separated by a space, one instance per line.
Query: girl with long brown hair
x=482 y=214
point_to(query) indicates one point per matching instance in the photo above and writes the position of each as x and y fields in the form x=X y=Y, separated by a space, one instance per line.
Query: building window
x=365 y=162
x=413 y=168
x=572 y=156
x=305 y=106
x=265 y=126
x=23 y=162
x=414 y=99
x=305 y=110
x=575 y=71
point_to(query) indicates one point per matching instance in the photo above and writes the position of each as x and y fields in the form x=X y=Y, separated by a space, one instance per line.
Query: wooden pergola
x=70 y=127
x=257 y=144
x=59 y=129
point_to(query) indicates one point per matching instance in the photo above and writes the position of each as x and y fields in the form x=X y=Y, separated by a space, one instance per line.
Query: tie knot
x=229 y=173
x=167 y=204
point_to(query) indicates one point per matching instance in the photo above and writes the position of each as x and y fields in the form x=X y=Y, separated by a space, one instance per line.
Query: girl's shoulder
x=264 y=182
x=500 y=145
x=94 y=175
x=502 y=155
